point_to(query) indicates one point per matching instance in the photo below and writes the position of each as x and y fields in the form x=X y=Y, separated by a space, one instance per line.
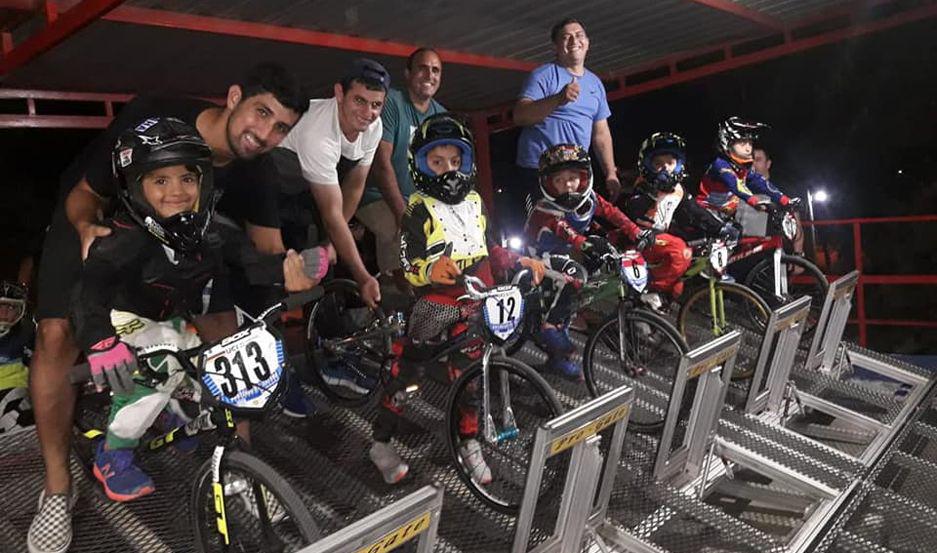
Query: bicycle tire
x=760 y=276
x=607 y=333
x=755 y=310
x=542 y=393
x=303 y=530
x=341 y=292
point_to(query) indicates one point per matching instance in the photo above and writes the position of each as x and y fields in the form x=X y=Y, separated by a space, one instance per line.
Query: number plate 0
x=789 y=226
x=719 y=256
x=634 y=270
x=504 y=311
x=243 y=371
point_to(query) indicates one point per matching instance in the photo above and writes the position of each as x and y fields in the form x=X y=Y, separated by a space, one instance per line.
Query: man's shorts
x=59 y=268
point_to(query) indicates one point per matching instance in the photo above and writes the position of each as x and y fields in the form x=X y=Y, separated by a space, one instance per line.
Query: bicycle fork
x=717 y=308
x=492 y=435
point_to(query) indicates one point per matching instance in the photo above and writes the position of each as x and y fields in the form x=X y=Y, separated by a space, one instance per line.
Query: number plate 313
x=243 y=371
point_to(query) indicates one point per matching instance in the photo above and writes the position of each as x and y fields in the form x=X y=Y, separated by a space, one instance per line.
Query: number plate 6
x=789 y=226
x=243 y=370
x=634 y=270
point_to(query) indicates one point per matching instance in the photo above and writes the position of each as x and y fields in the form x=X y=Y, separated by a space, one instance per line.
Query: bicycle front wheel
x=729 y=306
x=629 y=344
x=351 y=375
x=803 y=279
x=261 y=512
x=515 y=391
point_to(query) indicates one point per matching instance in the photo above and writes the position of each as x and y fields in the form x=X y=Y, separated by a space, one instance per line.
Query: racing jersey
x=550 y=229
x=429 y=226
x=658 y=210
x=725 y=183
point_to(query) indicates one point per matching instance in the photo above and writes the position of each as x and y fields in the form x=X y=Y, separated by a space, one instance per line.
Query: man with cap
x=335 y=142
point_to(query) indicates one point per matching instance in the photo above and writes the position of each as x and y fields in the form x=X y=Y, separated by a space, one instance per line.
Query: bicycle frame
x=717 y=308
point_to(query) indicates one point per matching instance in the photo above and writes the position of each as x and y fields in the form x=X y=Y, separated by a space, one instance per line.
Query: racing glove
x=537 y=268
x=113 y=364
x=646 y=238
x=443 y=271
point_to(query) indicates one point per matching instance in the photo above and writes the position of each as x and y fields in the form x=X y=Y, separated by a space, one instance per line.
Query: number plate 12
x=504 y=311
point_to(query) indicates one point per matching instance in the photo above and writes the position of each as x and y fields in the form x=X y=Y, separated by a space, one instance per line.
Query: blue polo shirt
x=568 y=124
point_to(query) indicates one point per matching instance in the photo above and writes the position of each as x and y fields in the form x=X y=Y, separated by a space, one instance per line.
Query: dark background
x=858 y=119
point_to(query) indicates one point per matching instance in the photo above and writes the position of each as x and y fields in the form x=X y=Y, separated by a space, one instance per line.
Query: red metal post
x=483 y=161
x=860 y=286
x=217 y=25
x=67 y=24
x=51 y=11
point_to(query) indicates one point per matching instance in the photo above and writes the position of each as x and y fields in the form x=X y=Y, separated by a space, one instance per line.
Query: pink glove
x=315 y=262
x=113 y=364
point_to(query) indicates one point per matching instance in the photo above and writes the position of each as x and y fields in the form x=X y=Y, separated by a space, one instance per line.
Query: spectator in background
x=385 y=198
x=562 y=102
x=762 y=164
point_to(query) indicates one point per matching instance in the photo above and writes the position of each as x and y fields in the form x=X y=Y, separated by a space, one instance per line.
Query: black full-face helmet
x=735 y=129
x=657 y=144
x=163 y=142
x=443 y=129
x=12 y=306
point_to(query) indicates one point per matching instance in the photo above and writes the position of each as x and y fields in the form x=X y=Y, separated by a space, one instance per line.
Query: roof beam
x=500 y=117
x=790 y=45
x=232 y=27
x=738 y=10
x=56 y=31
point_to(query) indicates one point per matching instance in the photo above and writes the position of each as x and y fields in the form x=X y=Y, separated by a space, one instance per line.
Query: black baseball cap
x=370 y=70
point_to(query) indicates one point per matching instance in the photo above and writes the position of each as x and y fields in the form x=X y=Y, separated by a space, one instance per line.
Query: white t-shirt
x=320 y=145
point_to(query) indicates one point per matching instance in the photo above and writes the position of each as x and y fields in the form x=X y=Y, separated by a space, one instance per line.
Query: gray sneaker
x=474 y=462
x=386 y=459
x=51 y=529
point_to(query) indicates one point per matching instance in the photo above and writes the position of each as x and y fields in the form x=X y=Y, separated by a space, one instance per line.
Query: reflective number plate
x=719 y=256
x=504 y=311
x=244 y=369
x=634 y=270
x=789 y=226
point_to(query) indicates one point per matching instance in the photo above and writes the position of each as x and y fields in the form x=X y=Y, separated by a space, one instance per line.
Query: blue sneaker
x=123 y=480
x=339 y=372
x=556 y=341
x=565 y=367
x=166 y=421
x=296 y=404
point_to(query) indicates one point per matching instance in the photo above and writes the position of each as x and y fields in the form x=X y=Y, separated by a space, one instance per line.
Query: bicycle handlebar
x=81 y=372
x=476 y=289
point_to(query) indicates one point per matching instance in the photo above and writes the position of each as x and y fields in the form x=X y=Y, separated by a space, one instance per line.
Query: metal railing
x=861 y=318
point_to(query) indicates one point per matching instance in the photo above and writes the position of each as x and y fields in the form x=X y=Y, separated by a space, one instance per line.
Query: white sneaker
x=386 y=459
x=474 y=462
x=51 y=528
x=237 y=486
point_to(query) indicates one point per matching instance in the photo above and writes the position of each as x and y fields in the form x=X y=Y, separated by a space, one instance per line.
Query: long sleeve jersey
x=658 y=210
x=725 y=183
x=429 y=226
x=552 y=230
x=129 y=270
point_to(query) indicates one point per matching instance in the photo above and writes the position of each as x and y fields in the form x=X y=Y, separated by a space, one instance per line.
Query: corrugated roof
x=120 y=57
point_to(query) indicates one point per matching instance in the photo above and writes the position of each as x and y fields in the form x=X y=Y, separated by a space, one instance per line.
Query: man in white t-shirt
x=335 y=142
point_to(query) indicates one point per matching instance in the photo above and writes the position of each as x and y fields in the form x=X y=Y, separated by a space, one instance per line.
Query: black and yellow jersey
x=430 y=225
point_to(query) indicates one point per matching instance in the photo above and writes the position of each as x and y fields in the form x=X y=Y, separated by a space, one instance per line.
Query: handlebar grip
x=79 y=374
x=300 y=299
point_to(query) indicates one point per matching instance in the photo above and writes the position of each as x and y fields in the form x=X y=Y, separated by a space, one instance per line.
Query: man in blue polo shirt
x=562 y=102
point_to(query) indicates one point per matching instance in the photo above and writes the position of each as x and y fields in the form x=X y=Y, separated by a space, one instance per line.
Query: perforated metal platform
x=325 y=458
